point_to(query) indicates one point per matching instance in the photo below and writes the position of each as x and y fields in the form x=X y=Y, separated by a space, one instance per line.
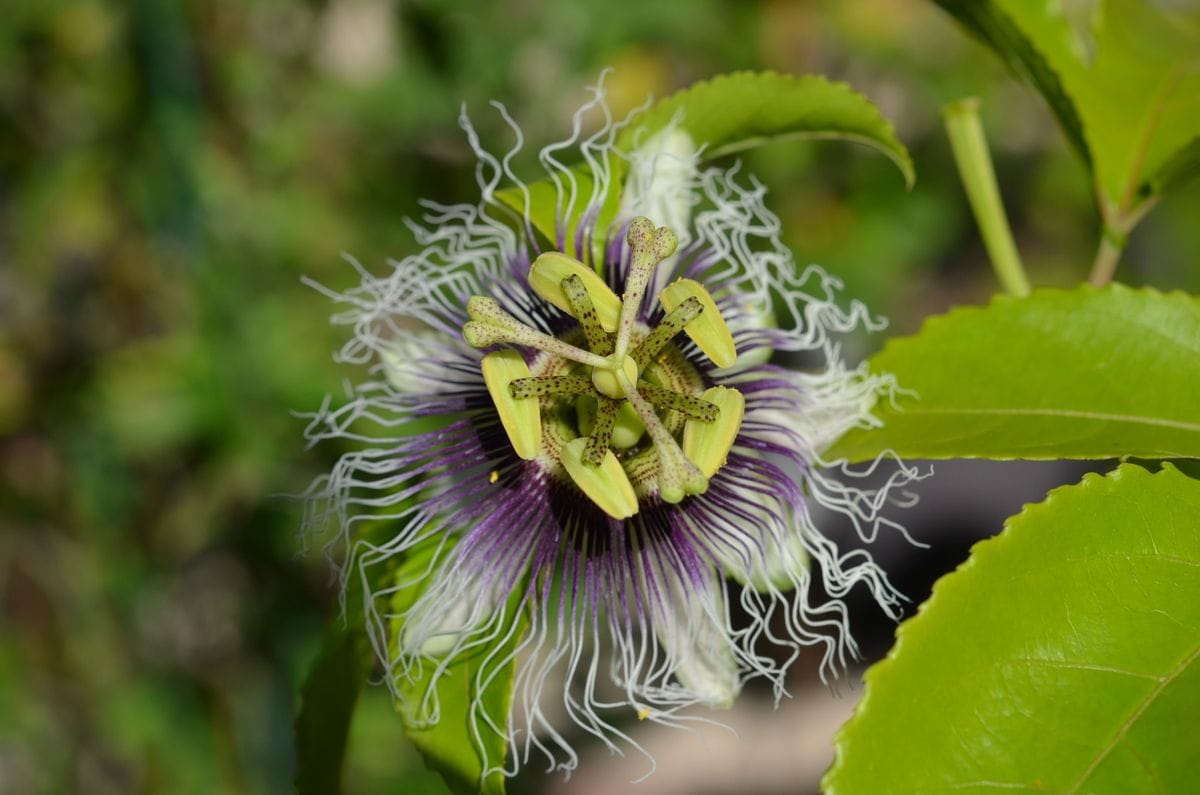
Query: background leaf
x=995 y=28
x=1080 y=674
x=543 y=208
x=1084 y=373
x=451 y=746
x=738 y=111
x=1118 y=73
x=328 y=699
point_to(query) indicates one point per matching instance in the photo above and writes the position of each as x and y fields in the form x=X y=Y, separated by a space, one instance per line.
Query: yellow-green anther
x=608 y=380
x=707 y=444
x=648 y=247
x=628 y=428
x=546 y=277
x=584 y=311
x=677 y=476
x=708 y=329
x=606 y=484
x=520 y=417
x=690 y=406
x=671 y=325
x=601 y=434
x=491 y=325
x=551 y=386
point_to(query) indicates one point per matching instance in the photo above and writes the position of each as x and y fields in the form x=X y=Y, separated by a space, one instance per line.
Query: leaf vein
x=1086 y=667
x=1132 y=419
x=1140 y=708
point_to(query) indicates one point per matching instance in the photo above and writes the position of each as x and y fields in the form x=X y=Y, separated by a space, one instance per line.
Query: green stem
x=1105 y=264
x=979 y=179
x=1113 y=237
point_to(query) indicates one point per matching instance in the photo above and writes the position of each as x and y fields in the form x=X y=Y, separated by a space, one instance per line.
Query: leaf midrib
x=1133 y=716
x=1132 y=419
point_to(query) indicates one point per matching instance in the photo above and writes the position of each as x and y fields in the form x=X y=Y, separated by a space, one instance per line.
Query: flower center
x=630 y=383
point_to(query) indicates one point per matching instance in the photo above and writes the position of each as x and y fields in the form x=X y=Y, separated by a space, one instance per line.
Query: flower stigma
x=638 y=404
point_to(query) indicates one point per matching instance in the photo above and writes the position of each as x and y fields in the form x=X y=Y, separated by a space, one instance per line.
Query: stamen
x=690 y=406
x=607 y=485
x=677 y=476
x=601 y=438
x=546 y=276
x=550 y=386
x=671 y=325
x=521 y=419
x=585 y=312
x=707 y=445
x=491 y=325
x=708 y=330
x=649 y=247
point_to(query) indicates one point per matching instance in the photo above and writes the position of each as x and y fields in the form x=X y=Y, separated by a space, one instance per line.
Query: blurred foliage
x=168 y=170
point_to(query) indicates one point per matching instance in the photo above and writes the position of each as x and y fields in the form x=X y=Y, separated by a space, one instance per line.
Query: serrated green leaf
x=1062 y=657
x=738 y=111
x=1083 y=373
x=1121 y=68
x=451 y=746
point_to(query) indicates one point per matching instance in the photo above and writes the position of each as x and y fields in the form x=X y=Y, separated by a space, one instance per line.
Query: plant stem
x=1113 y=237
x=1105 y=264
x=979 y=179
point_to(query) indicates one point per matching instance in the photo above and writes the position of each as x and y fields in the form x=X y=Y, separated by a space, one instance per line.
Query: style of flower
x=569 y=448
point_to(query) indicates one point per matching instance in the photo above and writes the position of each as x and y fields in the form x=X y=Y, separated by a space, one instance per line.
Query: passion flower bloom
x=570 y=447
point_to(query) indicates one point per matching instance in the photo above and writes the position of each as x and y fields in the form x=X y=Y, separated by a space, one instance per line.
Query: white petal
x=697 y=639
x=775 y=558
x=454 y=607
x=831 y=403
x=414 y=362
x=662 y=176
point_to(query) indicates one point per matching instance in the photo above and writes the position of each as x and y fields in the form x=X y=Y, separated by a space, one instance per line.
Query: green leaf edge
x=662 y=112
x=1025 y=62
x=836 y=451
x=1181 y=168
x=949 y=583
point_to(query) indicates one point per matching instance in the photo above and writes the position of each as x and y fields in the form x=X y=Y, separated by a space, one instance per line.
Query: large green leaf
x=738 y=111
x=452 y=746
x=1121 y=76
x=1062 y=657
x=1083 y=373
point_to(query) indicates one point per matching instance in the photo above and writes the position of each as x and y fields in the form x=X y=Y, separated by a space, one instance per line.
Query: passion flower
x=582 y=438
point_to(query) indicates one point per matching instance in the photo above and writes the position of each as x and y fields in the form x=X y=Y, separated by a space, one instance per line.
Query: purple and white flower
x=575 y=486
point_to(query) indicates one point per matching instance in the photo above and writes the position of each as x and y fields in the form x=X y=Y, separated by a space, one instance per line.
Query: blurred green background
x=169 y=170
